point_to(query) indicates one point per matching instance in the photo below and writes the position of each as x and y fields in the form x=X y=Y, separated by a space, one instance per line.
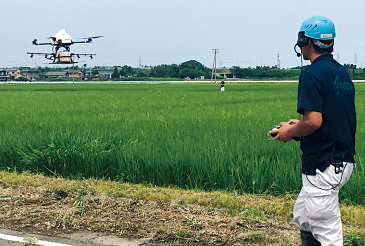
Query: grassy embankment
x=266 y=220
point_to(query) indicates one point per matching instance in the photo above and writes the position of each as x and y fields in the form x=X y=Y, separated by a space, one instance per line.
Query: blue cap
x=318 y=27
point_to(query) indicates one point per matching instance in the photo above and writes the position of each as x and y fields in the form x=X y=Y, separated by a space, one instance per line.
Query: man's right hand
x=293 y=121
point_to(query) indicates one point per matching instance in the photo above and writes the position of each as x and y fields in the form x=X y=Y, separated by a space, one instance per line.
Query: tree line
x=264 y=72
x=195 y=70
x=189 y=69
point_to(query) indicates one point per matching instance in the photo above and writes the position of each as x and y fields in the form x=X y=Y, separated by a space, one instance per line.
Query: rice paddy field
x=184 y=135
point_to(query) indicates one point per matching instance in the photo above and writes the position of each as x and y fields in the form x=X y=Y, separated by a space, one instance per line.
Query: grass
x=185 y=135
x=355 y=239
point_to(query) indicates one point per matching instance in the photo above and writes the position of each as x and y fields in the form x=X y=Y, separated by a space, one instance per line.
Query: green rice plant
x=186 y=135
x=354 y=239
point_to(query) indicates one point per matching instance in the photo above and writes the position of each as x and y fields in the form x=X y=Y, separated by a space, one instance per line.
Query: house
x=55 y=75
x=226 y=75
x=9 y=74
x=105 y=75
x=3 y=76
x=71 y=73
x=13 y=73
x=31 y=74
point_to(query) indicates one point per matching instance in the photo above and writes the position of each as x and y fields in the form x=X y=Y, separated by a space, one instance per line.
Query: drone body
x=62 y=40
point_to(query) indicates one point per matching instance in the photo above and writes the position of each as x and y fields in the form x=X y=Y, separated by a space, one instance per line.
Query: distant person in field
x=222 y=85
x=326 y=98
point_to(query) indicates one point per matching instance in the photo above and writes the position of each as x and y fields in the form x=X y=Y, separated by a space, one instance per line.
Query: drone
x=62 y=56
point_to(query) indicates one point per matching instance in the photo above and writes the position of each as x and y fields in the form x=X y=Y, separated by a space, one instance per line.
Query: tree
x=94 y=71
x=115 y=74
x=165 y=71
x=141 y=73
x=193 y=69
x=126 y=71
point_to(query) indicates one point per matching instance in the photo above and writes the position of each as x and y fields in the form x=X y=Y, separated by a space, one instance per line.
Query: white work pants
x=316 y=210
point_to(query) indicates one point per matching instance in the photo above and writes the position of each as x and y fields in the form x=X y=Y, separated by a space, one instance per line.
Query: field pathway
x=81 y=214
x=15 y=238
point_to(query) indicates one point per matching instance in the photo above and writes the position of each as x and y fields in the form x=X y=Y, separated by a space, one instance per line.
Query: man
x=222 y=85
x=327 y=134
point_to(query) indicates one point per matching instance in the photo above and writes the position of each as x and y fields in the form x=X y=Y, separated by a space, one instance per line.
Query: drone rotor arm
x=36 y=43
x=88 y=40
x=80 y=42
x=74 y=54
x=78 y=55
x=34 y=53
x=46 y=55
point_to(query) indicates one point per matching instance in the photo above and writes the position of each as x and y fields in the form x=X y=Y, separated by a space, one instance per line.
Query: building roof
x=30 y=71
x=11 y=69
x=105 y=72
x=55 y=73
x=73 y=71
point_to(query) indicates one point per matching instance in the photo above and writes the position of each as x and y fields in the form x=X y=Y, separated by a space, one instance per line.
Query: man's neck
x=314 y=56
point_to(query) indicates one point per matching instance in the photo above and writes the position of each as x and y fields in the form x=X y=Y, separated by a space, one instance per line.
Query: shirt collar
x=323 y=57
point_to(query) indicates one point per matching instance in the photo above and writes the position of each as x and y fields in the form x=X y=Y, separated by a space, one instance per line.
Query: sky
x=248 y=33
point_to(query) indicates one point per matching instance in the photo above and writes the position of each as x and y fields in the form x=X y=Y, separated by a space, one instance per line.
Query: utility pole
x=214 y=68
x=140 y=62
x=355 y=60
x=278 y=63
x=73 y=73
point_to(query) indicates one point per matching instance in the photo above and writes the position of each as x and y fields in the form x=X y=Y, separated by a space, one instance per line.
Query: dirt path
x=80 y=238
x=68 y=213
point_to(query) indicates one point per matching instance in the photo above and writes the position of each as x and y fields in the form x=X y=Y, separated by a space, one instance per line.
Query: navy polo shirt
x=325 y=86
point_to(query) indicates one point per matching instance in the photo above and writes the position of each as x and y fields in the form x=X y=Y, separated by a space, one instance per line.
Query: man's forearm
x=301 y=129
x=310 y=122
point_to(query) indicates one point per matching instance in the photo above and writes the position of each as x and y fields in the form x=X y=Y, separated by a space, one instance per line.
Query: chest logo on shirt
x=342 y=86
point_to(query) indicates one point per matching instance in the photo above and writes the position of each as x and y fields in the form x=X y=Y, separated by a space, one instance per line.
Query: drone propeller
x=92 y=37
x=53 y=38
